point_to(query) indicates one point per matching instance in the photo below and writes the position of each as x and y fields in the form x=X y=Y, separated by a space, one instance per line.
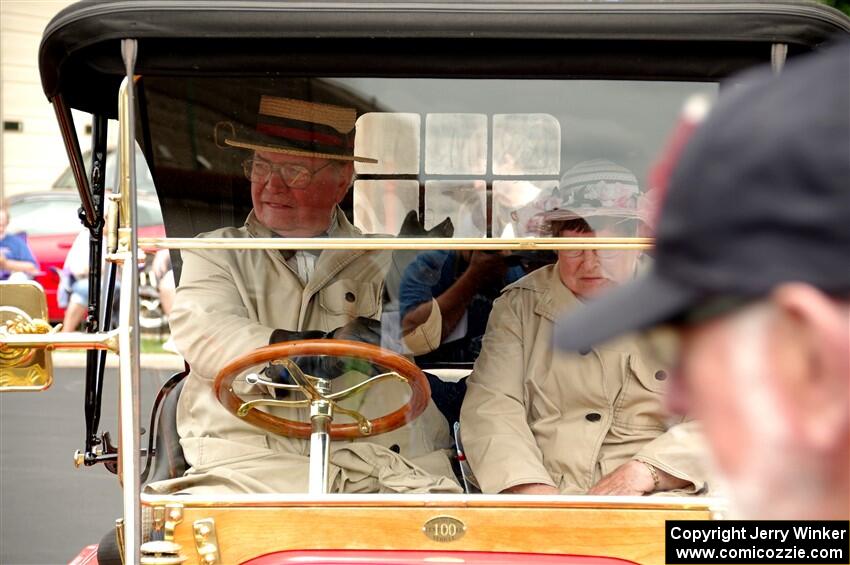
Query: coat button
x=584 y=351
x=593 y=417
x=395 y=448
x=660 y=375
x=349 y=297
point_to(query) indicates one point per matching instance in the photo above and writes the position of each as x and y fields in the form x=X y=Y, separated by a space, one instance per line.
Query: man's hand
x=629 y=479
x=361 y=329
x=531 y=488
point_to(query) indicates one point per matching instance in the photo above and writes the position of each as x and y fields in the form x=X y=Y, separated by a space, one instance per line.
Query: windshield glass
x=144 y=180
x=268 y=162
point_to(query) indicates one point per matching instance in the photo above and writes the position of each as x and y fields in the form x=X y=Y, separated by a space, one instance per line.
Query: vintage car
x=472 y=119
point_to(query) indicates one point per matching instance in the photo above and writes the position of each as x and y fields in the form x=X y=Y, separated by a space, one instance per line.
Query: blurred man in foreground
x=752 y=274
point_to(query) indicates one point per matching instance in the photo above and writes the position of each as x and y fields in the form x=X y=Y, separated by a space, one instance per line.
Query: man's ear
x=814 y=369
x=346 y=176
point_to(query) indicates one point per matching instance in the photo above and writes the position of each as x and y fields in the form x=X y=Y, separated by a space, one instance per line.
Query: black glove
x=361 y=329
x=366 y=330
x=280 y=336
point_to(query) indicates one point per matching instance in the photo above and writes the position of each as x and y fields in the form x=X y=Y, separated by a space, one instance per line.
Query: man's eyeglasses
x=294 y=176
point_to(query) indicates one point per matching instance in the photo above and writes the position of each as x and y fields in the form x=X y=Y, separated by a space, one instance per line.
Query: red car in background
x=49 y=221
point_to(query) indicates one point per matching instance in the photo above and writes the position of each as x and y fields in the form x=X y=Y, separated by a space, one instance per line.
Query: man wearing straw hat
x=300 y=165
x=586 y=423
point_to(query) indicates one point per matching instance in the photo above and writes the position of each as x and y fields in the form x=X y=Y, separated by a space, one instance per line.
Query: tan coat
x=535 y=416
x=228 y=303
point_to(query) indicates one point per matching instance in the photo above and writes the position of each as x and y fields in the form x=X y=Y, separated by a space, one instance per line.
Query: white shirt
x=77 y=259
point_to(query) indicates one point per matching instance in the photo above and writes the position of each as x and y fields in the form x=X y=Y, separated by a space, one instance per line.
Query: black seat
x=168 y=463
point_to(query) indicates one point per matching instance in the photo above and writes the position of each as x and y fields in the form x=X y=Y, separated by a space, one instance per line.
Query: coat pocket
x=350 y=298
x=641 y=405
x=214 y=452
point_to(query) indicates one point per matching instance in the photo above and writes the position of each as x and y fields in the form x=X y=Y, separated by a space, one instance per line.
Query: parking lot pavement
x=49 y=510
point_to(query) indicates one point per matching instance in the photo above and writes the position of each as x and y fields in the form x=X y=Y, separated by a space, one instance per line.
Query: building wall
x=33 y=158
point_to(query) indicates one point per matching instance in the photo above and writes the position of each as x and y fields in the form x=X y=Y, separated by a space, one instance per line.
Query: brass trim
x=206 y=541
x=158 y=521
x=719 y=511
x=119 y=537
x=69 y=340
x=22 y=316
x=126 y=151
x=435 y=501
x=161 y=553
x=165 y=551
x=400 y=243
x=129 y=391
x=111 y=230
x=173 y=518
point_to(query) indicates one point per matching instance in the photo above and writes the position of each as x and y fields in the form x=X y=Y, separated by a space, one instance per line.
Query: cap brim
x=645 y=302
x=566 y=214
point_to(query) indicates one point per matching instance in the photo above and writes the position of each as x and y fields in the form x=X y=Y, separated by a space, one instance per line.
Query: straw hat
x=298 y=127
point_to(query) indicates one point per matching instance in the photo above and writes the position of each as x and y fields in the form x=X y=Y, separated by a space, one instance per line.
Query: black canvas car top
x=80 y=54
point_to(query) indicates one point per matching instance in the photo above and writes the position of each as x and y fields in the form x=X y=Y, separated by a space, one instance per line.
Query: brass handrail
x=70 y=340
x=400 y=243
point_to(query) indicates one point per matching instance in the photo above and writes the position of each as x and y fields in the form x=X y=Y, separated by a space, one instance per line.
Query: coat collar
x=554 y=297
x=330 y=262
x=339 y=226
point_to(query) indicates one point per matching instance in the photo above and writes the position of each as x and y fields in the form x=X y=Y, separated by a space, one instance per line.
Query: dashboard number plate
x=444 y=529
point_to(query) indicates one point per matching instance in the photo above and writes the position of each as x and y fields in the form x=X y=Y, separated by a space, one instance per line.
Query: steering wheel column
x=321 y=416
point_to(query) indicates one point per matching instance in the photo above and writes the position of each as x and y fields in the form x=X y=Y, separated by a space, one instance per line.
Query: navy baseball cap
x=760 y=196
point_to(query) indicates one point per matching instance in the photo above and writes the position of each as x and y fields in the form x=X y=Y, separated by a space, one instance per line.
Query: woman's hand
x=635 y=479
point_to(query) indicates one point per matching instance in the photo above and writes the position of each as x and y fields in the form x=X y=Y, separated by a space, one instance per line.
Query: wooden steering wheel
x=315 y=390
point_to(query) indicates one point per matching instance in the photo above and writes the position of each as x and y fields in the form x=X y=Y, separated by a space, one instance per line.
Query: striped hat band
x=302 y=128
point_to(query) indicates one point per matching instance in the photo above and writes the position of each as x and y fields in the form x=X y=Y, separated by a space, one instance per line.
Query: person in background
x=445 y=301
x=76 y=269
x=75 y=274
x=751 y=275
x=17 y=262
x=536 y=423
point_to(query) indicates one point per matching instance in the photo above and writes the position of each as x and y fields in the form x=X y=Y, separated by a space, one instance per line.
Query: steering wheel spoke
x=245 y=407
x=364 y=424
x=256 y=379
x=303 y=381
x=352 y=390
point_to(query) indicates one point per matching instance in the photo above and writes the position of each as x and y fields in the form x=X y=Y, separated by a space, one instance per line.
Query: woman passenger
x=537 y=422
